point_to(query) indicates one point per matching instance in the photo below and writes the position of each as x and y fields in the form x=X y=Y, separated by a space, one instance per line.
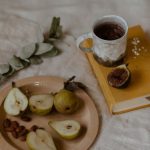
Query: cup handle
x=82 y=38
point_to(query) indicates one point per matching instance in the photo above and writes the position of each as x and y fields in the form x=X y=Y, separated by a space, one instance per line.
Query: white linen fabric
x=130 y=131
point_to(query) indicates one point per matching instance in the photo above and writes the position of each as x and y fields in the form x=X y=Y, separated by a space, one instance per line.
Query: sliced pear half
x=40 y=140
x=41 y=104
x=68 y=129
x=15 y=102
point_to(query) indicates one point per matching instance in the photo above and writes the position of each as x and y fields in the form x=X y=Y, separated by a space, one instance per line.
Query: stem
x=70 y=79
x=13 y=84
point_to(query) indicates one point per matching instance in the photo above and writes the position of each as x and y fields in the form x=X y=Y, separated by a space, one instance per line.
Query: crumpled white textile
x=24 y=21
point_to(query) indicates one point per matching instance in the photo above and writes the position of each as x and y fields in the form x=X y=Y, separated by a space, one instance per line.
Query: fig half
x=119 y=77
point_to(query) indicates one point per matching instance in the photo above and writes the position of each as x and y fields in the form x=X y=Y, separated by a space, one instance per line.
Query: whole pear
x=66 y=101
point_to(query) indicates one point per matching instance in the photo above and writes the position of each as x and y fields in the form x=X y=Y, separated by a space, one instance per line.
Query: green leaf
x=53 y=27
x=51 y=40
x=36 y=60
x=43 y=48
x=59 y=32
x=6 y=75
x=51 y=53
x=27 y=51
x=25 y=62
x=4 y=68
x=16 y=63
x=2 y=78
x=11 y=72
x=56 y=29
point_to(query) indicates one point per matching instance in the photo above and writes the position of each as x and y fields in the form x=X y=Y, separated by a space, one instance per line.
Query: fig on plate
x=67 y=129
x=15 y=102
x=40 y=140
x=66 y=101
x=41 y=104
x=119 y=77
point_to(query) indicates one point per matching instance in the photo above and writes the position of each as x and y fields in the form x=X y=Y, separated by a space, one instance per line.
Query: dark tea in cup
x=109 y=31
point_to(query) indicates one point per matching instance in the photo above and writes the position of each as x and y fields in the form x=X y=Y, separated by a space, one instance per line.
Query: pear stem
x=70 y=79
x=13 y=84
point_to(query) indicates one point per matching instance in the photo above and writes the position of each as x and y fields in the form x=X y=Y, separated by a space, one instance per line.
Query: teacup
x=109 y=35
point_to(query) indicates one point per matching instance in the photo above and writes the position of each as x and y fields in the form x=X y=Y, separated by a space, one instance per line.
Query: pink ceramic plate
x=87 y=115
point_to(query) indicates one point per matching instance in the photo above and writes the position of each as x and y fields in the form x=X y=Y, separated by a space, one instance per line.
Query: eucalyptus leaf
x=4 y=68
x=16 y=63
x=56 y=28
x=36 y=60
x=51 y=40
x=2 y=78
x=53 y=27
x=11 y=72
x=59 y=32
x=26 y=60
x=51 y=53
x=25 y=63
x=43 y=48
x=27 y=51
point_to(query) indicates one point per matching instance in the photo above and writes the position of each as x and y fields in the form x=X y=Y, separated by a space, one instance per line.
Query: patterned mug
x=108 y=52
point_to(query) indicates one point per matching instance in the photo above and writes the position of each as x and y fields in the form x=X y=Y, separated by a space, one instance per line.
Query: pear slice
x=68 y=129
x=15 y=102
x=40 y=140
x=41 y=104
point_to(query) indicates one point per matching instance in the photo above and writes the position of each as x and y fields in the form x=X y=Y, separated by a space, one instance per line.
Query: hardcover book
x=137 y=94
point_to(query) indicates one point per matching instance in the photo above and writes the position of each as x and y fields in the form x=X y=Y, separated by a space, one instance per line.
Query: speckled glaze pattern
x=109 y=51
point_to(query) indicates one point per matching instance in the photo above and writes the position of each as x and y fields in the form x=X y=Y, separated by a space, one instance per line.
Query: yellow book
x=137 y=94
